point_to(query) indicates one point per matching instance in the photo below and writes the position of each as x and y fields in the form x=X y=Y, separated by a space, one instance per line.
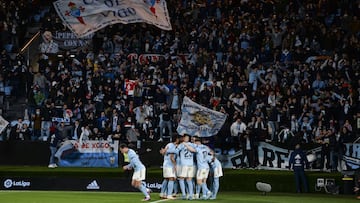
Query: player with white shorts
x=203 y=157
x=185 y=154
x=139 y=170
x=169 y=168
x=217 y=172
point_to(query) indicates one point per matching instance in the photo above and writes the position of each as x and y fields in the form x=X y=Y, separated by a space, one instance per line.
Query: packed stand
x=15 y=18
x=283 y=73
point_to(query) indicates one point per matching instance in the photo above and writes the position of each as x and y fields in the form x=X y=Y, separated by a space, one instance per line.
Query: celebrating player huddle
x=190 y=163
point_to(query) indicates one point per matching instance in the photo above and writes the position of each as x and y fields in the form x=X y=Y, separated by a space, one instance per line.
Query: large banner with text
x=271 y=157
x=84 y=17
x=88 y=154
x=67 y=40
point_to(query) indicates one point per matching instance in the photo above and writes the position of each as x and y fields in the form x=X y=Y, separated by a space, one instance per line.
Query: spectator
x=175 y=101
x=318 y=84
x=25 y=132
x=114 y=120
x=76 y=130
x=36 y=124
x=133 y=136
x=140 y=115
x=16 y=130
x=119 y=134
x=40 y=83
x=148 y=130
x=346 y=135
x=46 y=116
x=298 y=162
x=97 y=134
x=293 y=63
x=337 y=151
x=102 y=122
x=165 y=122
x=39 y=96
x=324 y=140
x=63 y=131
x=237 y=128
x=49 y=46
x=85 y=134
x=273 y=123
x=260 y=129
x=248 y=148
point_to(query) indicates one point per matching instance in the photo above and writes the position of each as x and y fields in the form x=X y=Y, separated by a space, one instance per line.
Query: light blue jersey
x=186 y=157
x=203 y=156
x=134 y=160
x=216 y=164
x=216 y=170
x=170 y=150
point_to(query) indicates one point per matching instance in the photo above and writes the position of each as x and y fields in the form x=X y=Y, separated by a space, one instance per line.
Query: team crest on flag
x=151 y=3
x=75 y=12
x=197 y=120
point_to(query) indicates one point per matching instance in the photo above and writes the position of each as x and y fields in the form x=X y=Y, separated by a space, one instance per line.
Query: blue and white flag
x=84 y=17
x=197 y=120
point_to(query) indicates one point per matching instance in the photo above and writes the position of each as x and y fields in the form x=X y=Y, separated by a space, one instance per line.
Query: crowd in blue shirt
x=288 y=69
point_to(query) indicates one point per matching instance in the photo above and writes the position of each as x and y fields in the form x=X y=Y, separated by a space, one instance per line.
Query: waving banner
x=84 y=17
x=197 y=120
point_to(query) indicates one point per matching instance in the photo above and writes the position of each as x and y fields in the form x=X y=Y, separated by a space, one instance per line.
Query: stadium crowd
x=283 y=71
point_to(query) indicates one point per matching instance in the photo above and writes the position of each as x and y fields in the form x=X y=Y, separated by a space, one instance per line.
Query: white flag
x=84 y=17
x=3 y=124
x=197 y=120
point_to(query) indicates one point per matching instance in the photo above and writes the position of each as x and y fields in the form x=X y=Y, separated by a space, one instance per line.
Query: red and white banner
x=144 y=59
x=129 y=87
x=84 y=17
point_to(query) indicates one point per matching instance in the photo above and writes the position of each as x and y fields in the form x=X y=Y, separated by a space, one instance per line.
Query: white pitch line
x=162 y=200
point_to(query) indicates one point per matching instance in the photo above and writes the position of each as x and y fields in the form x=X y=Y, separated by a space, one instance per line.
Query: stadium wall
x=117 y=180
x=35 y=154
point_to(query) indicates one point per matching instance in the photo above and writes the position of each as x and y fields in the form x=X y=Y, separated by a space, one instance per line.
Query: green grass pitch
x=122 y=197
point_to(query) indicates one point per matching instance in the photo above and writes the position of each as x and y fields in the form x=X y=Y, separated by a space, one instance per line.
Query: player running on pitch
x=139 y=170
